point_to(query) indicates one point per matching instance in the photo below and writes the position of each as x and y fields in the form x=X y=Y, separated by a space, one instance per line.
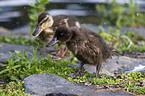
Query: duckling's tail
x=107 y=53
x=115 y=53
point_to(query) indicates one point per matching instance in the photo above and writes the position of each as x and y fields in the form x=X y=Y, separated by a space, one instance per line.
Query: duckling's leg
x=66 y=24
x=80 y=69
x=97 y=69
x=59 y=49
x=66 y=49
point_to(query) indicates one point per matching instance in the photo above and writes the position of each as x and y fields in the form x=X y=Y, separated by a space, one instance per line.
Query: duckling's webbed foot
x=61 y=51
x=75 y=74
x=79 y=72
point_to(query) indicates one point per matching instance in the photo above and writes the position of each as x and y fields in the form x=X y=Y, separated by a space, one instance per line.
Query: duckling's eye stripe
x=45 y=19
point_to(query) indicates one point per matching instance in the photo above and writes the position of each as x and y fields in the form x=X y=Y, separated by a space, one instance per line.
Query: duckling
x=86 y=45
x=47 y=25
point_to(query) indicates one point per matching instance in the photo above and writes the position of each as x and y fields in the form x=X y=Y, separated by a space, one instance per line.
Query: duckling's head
x=45 y=21
x=62 y=35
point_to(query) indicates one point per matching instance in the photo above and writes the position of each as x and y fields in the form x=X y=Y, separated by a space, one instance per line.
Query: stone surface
x=122 y=63
x=117 y=64
x=5 y=50
x=42 y=84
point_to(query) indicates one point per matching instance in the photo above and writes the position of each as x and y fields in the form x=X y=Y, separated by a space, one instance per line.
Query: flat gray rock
x=5 y=50
x=42 y=84
x=118 y=64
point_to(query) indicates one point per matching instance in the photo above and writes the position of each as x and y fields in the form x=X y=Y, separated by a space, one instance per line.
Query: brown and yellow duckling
x=47 y=25
x=89 y=47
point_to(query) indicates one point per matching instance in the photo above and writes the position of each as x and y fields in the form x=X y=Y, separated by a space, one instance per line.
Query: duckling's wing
x=99 y=46
x=86 y=49
x=95 y=45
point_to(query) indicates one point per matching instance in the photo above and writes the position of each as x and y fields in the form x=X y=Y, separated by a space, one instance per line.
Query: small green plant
x=35 y=10
x=20 y=66
x=121 y=41
x=14 y=89
x=20 y=40
x=21 y=63
x=121 y=15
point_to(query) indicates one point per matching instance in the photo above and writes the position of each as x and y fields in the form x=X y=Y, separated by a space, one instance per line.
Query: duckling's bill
x=52 y=42
x=37 y=31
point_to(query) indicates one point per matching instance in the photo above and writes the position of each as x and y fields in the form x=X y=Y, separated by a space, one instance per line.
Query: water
x=12 y=17
x=14 y=13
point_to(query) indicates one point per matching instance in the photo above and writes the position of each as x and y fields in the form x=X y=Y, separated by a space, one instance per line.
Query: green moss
x=14 y=89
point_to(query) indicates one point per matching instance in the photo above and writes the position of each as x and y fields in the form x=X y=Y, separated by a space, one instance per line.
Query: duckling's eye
x=61 y=34
x=48 y=20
